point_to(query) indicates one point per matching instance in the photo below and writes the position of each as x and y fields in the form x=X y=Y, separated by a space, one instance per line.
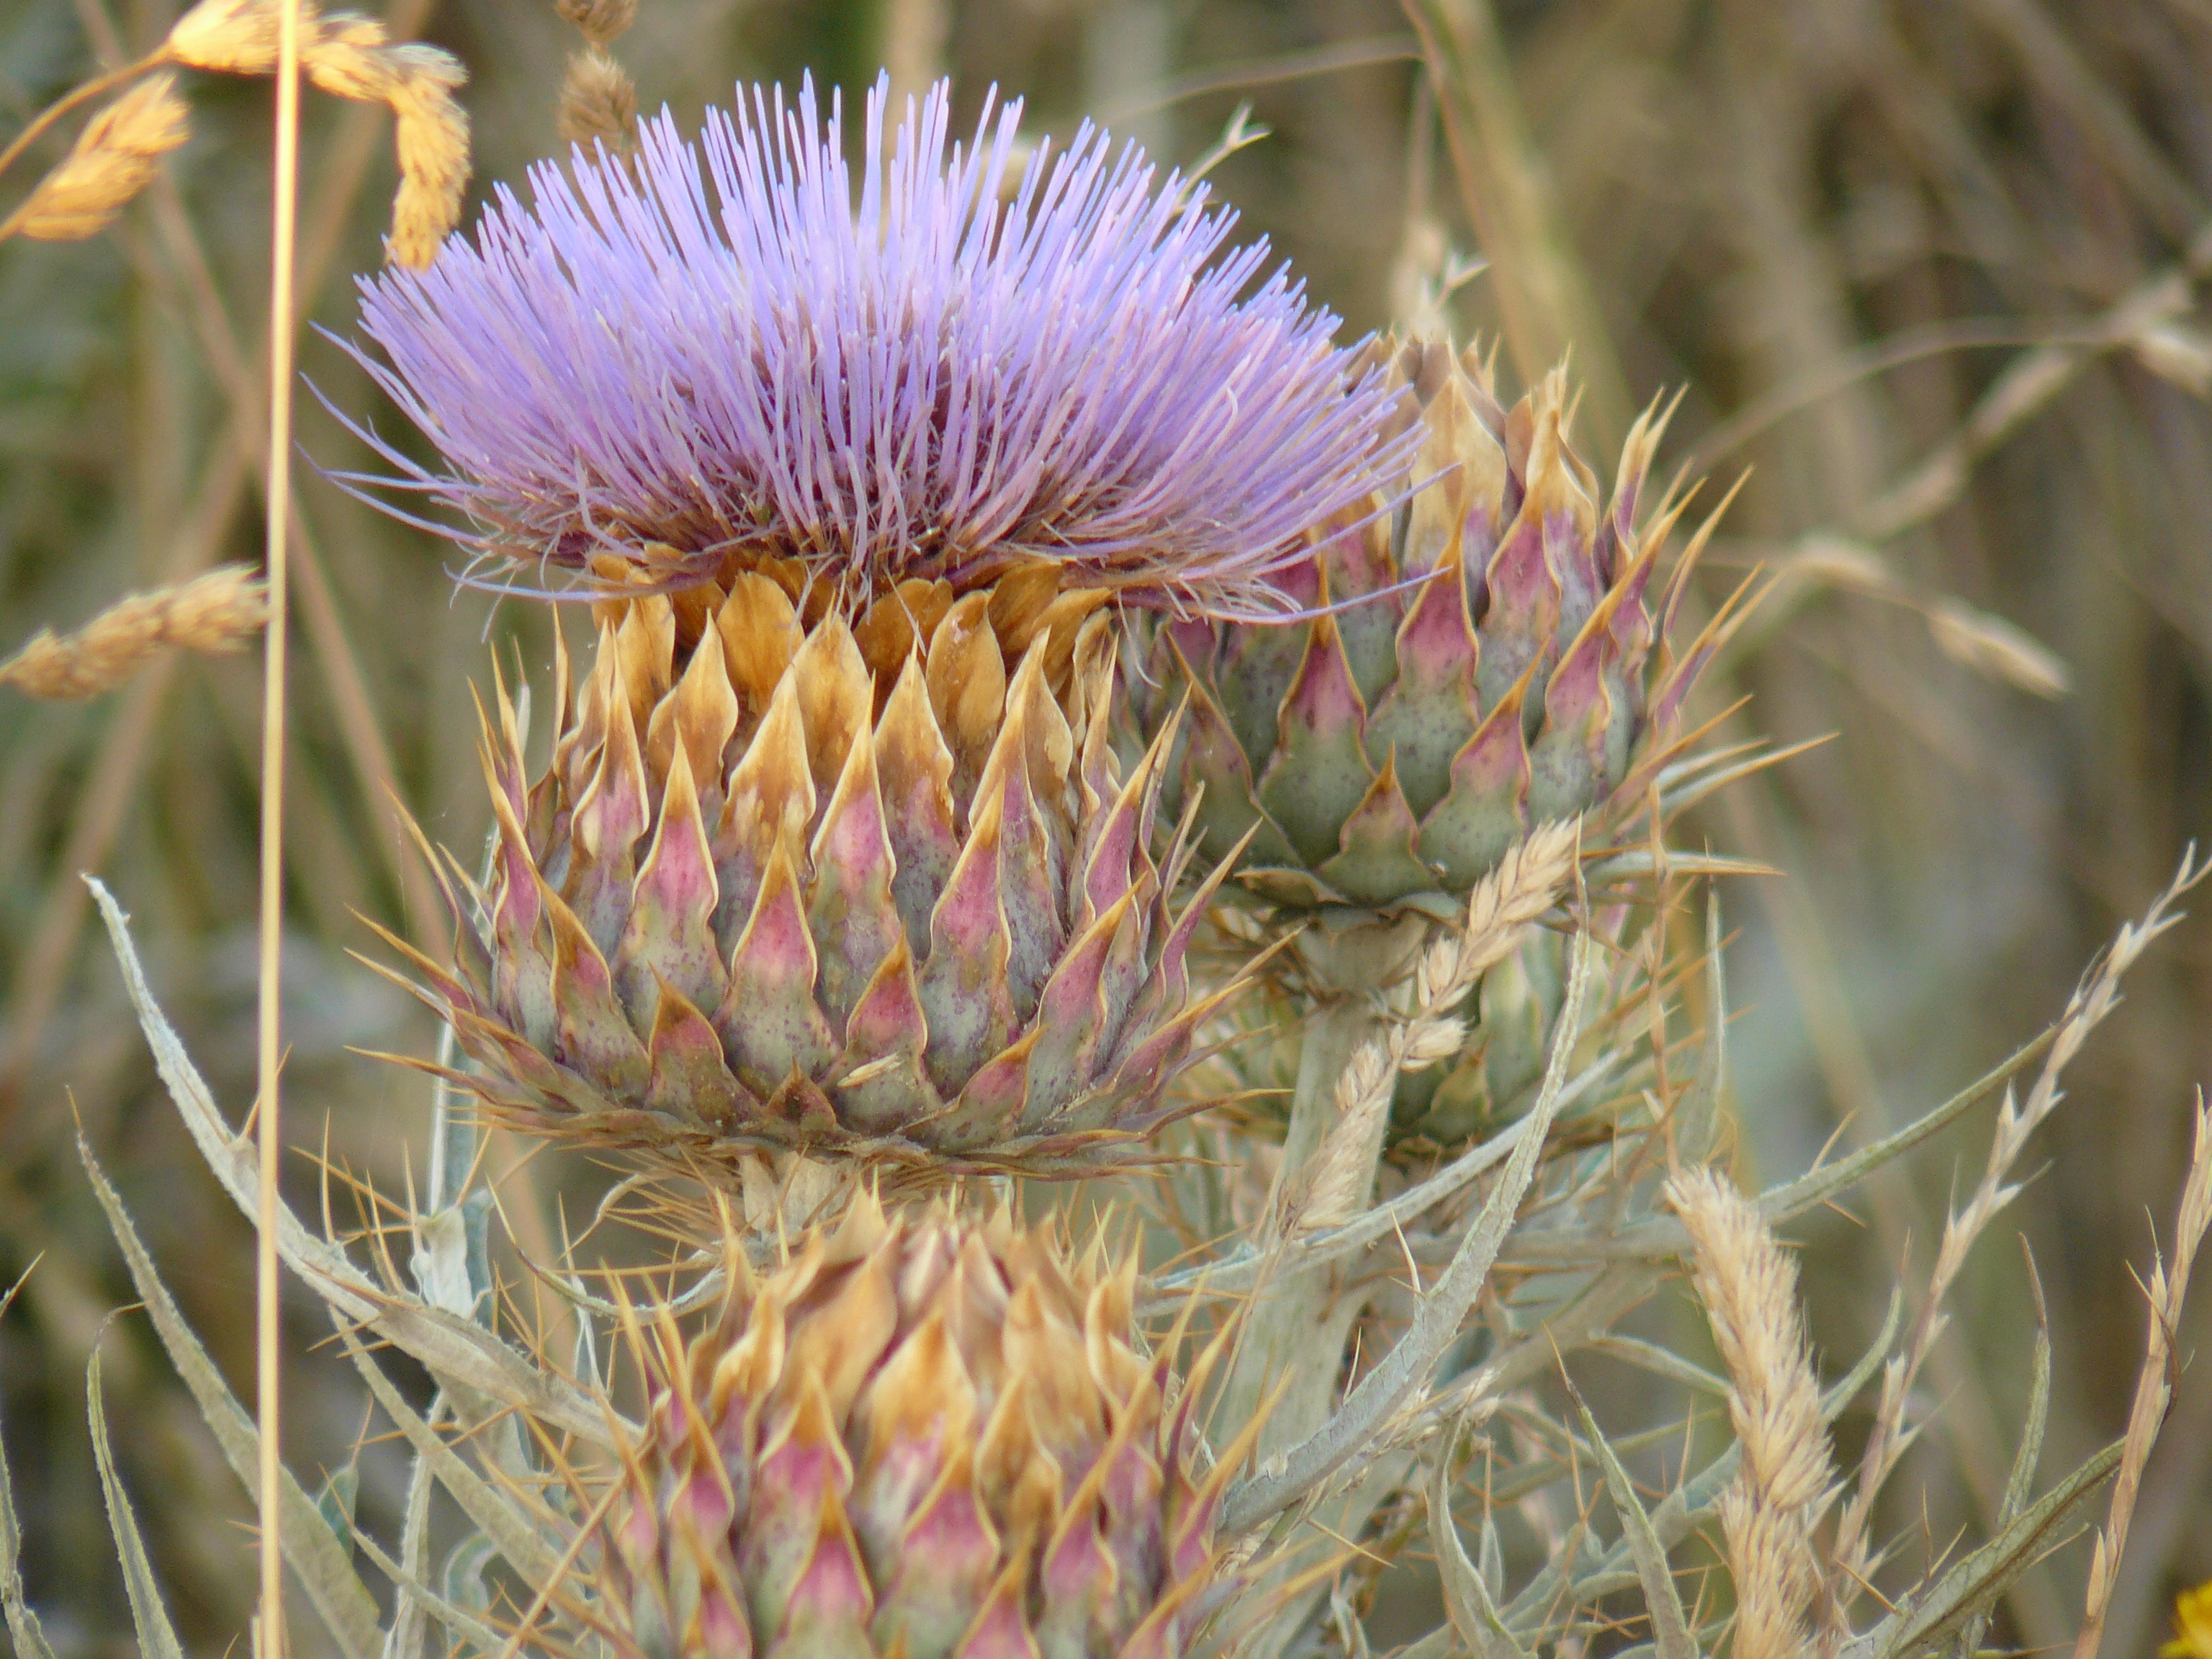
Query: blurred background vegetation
x=1929 y=269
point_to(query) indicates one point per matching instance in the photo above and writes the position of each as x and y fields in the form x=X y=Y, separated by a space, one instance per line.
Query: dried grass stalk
x=1748 y=1286
x=215 y=614
x=2017 y=1120
x=599 y=103
x=1993 y=646
x=111 y=161
x=2153 y=1384
x=350 y=56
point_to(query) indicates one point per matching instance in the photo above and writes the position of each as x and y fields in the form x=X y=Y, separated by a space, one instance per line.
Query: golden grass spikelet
x=433 y=139
x=2167 y=1287
x=1748 y=1286
x=113 y=159
x=350 y=56
x=215 y=614
x=599 y=20
x=599 y=103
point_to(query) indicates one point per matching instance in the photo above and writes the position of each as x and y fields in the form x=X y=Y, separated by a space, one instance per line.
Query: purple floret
x=936 y=376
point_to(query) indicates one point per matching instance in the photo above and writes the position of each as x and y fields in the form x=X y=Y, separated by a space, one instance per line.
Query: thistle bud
x=924 y=1437
x=1483 y=654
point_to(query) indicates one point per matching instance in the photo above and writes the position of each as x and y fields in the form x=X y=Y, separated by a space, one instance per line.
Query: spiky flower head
x=922 y=1437
x=737 y=350
x=878 y=892
x=1490 y=662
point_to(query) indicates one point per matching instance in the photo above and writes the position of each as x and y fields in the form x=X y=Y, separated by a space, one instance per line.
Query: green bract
x=1482 y=653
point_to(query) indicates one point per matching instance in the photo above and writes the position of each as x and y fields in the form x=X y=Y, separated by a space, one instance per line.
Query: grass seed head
x=215 y=614
x=599 y=104
x=112 y=159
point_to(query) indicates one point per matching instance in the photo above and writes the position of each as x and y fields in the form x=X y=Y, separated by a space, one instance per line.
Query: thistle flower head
x=739 y=351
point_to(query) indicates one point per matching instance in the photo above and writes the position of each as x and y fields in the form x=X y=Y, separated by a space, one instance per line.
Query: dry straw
x=1748 y=1286
x=346 y=55
x=214 y=614
x=598 y=100
x=296 y=30
x=350 y=56
x=111 y=162
x=2155 y=1385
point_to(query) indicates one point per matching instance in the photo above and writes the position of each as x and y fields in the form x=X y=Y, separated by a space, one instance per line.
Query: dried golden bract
x=874 y=888
x=921 y=1436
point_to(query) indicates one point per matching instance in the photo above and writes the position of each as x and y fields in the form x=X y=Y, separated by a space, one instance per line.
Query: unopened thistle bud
x=1494 y=662
x=923 y=1437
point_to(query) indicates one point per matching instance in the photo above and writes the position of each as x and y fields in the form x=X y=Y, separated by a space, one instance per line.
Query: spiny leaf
x=30 y=1638
x=451 y=1347
x=1928 y=1619
x=493 y=1513
x=471 y=1633
x=157 y=1637
x=1670 y=1628
x=1382 y=1392
x=403 y=1639
x=322 y=1564
x=1467 y=1601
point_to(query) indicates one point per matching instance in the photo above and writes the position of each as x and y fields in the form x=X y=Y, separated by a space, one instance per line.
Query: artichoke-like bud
x=1482 y=655
x=922 y=1437
x=877 y=889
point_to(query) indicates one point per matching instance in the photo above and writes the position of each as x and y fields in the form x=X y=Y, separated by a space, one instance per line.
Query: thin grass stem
x=283 y=238
x=76 y=95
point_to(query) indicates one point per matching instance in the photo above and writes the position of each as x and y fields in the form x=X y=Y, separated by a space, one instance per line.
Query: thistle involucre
x=925 y=1438
x=1388 y=754
x=879 y=889
x=941 y=374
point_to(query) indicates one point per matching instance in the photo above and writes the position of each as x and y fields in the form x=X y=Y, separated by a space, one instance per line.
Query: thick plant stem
x=1299 y=1323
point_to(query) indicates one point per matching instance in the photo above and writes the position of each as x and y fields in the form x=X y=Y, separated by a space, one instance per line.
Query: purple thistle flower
x=938 y=377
